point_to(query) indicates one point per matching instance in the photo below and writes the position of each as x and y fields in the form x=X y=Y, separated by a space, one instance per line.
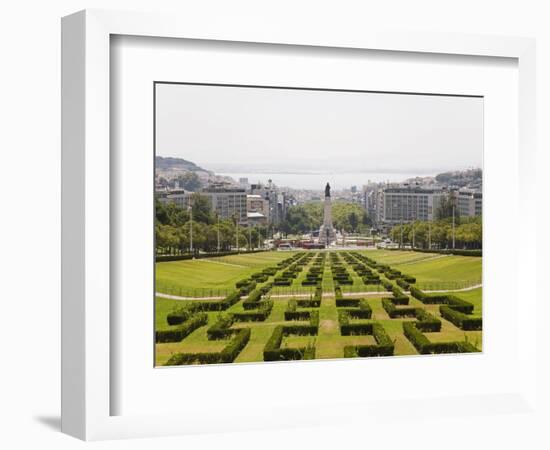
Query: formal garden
x=282 y=306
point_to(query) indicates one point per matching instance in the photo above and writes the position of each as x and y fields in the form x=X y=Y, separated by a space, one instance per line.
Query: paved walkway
x=325 y=294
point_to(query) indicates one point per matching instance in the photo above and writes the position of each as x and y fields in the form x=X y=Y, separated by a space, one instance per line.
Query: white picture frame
x=86 y=240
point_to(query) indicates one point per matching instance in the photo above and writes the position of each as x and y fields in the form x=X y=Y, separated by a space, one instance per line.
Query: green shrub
x=274 y=352
x=424 y=346
x=221 y=329
x=253 y=300
x=241 y=283
x=180 y=332
x=427 y=321
x=257 y=315
x=384 y=345
x=343 y=302
x=402 y=283
x=461 y=320
x=227 y=355
x=308 y=303
x=180 y=315
x=445 y=299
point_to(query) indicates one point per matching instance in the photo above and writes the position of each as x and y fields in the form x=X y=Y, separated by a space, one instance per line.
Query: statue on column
x=327 y=190
x=327 y=234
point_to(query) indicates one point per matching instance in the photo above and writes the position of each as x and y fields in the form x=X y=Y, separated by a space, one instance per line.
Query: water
x=317 y=180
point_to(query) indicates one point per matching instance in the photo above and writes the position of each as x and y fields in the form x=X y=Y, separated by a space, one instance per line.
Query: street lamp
x=236 y=232
x=218 y=233
x=190 y=208
x=453 y=226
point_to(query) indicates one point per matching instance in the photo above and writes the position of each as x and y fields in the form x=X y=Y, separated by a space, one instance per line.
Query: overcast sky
x=233 y=129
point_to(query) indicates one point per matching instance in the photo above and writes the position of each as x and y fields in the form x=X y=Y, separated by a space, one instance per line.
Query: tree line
x=173 y=227
x=468 y=233
x=346 y=216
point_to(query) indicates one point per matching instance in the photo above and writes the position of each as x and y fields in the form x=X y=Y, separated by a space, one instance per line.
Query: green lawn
x=329 y=343
x=433 y=271
x=218 y=275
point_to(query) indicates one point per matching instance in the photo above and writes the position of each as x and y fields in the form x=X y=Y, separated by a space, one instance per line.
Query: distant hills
x=178 y=172
x=166 y=164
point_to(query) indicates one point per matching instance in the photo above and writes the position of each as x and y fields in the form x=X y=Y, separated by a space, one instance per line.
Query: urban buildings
x=260 y=205
x=227 y=201
x=257 y=209
x=389 y=205
x=277 y=200
x=469 y=202
x=406 y=204
x=180 y=197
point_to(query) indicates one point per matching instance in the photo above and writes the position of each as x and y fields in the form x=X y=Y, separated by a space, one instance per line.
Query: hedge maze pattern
x=325 y=314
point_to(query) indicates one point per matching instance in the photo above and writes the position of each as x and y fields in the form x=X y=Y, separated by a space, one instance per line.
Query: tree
x=189 y=181
x=445 y=209
x=353 y=221
x=202 y=210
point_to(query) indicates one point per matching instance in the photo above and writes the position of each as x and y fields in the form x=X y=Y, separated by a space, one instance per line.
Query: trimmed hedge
x=461 y=320
x=402 y=283
x=241 y=283
x=253 y=300
x=168 y=258
x=384 y=345
x=179 y=316
x=347 y=302
x=427 y=321
x=221 y=329
x=446 y=299
x=394 y=312
x=388 y=285
x=274 y=352
x=228 y=354
x=183 y=330
x=247 y=288
x=425 y=347
x=308 y=303
x=226 y=303
x=256 y=315
x=451 y=252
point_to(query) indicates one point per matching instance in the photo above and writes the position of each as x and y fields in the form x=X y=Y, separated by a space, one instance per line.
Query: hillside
x=170 y=164
x=178 y=172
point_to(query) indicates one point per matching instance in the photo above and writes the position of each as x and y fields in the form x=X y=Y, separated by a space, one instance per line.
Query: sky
x=259 y=130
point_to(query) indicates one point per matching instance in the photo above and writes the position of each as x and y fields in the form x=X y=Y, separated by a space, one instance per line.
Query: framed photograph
x=275 y=228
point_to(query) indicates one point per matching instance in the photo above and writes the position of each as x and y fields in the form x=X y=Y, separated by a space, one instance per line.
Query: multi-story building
x=370 y=200
x=257 y=209
x=278 y=201
x=406 y=204
x=180 y=197
x=469 y=202
x=226 y=201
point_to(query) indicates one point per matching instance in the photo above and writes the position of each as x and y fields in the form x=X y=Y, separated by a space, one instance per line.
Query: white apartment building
x=469 y=202
x=406 y=204
x=227 y=202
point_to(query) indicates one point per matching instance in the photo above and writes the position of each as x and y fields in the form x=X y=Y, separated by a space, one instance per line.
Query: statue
x=327 y=190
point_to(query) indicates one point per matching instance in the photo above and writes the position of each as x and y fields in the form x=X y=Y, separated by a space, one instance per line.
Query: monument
x=327 y=235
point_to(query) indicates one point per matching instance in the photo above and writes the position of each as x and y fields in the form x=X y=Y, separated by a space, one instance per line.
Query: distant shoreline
x=316 y=181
